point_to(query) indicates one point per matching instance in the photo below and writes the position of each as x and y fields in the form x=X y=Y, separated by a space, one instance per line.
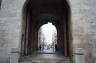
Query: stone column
x=14 y=56
x=79 y=55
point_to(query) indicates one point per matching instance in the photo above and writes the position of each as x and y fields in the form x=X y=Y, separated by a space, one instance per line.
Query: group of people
x=48 y=46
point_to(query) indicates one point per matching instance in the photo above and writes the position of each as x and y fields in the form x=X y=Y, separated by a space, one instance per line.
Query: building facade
x=82 y=26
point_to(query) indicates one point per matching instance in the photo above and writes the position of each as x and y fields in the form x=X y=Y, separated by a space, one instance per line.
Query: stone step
x=34 y=60
x=45 y=62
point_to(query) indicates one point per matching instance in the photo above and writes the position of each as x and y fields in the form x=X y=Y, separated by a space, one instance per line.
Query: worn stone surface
x=83 y=26
x=10 y=27
x=42 y=60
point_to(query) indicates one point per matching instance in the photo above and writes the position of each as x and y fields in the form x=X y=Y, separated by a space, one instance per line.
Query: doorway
x=47 y=38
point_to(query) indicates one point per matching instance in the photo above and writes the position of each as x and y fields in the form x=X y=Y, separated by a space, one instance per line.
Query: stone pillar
x=14 y=56
x=79 y=55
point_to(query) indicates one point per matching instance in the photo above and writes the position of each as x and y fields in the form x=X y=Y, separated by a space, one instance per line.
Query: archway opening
x=47 y=38
x=36 y=14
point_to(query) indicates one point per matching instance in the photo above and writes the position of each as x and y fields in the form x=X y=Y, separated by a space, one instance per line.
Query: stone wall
x=10 y=27
x=83 y=26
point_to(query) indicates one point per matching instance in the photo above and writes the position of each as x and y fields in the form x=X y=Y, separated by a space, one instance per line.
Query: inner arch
x=47 y=38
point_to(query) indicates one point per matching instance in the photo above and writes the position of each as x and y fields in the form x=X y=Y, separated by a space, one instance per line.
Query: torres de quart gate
x=21 y=31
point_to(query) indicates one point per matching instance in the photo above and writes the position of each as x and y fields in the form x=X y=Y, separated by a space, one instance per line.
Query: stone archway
x=47 y=39
x=35 y=14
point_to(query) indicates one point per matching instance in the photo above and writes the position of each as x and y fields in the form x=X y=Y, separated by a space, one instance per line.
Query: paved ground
x=45 y=58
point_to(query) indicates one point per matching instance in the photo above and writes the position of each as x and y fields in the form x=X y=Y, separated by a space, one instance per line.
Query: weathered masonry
x=21 y=19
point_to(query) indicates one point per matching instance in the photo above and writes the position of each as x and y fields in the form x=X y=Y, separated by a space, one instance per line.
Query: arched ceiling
x=43 y=11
